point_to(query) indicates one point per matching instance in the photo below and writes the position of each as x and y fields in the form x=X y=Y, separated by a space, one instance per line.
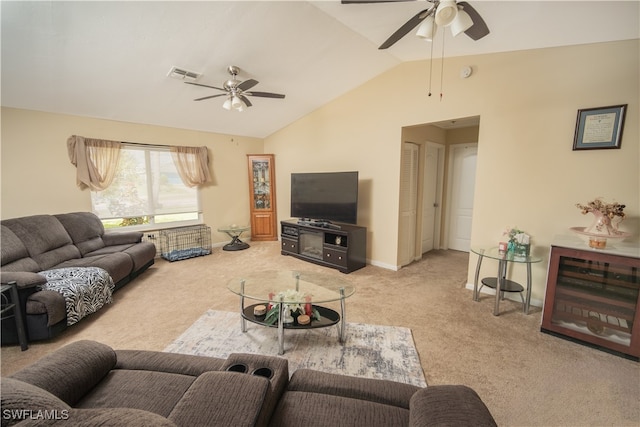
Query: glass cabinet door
x=596 y=298
x=262 y=196
x=261 y=184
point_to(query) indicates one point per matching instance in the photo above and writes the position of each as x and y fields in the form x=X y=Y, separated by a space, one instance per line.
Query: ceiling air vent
x=182 y=74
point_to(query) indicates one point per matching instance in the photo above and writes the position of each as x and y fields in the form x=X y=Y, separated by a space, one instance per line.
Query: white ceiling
x=110 y=59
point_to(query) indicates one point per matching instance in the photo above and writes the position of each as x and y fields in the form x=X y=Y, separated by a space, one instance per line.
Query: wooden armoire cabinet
x=262 y=194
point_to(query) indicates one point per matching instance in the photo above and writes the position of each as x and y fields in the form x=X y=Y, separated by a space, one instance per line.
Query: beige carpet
x=369 y=351
x=526 y=378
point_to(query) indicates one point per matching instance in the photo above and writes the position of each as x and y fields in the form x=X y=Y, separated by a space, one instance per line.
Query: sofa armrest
x=122 y=238
x=374 y=390
x=47 y=302
x=70 y=372
x=221 y=399
x=448 y=405
x=23 y=279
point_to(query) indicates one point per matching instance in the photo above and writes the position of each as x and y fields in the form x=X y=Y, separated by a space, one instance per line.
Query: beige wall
x=527 y=174
x=37 y=177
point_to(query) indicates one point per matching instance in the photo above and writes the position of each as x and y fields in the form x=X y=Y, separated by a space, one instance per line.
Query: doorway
x=437 y=184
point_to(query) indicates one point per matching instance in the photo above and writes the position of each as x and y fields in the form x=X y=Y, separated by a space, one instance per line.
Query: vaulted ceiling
x=111 y=59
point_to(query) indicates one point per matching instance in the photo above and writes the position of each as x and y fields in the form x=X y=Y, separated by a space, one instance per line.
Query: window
x=146 y=193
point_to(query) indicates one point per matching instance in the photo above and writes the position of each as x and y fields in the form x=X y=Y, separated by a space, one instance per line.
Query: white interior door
x=462 y=184
x=408 y=203
x=430 y=201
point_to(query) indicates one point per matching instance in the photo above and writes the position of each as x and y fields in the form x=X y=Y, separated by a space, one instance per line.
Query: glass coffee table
x=277 y=293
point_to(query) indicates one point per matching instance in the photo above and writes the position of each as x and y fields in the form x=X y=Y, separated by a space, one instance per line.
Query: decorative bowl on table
x=606 y=218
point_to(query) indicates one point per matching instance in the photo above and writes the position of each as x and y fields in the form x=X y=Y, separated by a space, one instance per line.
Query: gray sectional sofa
x=65 y=267
x=88 y=383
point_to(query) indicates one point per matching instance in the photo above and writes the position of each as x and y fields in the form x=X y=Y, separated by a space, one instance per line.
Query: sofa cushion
x=70 y=372
x=85 y=229
x=12 y=247
x=298 y=408
x=45 y=238
x=119 y=265
x=19 y=400
x=14 y=255
x=141 y=254
x=122 y=237
x=153 y=391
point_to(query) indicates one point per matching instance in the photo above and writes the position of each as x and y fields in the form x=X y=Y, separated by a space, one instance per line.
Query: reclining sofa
x=88 y=383
x=65 y=267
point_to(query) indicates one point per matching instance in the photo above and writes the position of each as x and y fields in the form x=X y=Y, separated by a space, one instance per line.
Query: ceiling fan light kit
x=461 y=23
x=446 y=12
x=427 y=29
x=459 y=15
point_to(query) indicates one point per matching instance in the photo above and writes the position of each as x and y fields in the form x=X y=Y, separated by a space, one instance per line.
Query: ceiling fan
x=460 y=16
x=236 y=91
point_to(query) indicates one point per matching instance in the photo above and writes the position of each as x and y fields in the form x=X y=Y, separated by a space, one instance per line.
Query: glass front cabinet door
x=262 y=193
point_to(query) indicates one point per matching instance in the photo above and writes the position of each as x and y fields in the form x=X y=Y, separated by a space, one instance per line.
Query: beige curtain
x=95 y=161
x=192 y=164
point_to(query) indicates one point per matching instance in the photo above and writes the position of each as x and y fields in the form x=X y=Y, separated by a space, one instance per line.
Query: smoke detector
x=182 y=74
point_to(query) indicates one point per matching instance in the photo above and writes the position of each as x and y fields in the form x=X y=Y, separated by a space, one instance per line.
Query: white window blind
x=146 y=191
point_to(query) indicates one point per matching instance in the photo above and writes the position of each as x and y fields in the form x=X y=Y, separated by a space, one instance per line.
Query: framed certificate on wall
x=599 y=128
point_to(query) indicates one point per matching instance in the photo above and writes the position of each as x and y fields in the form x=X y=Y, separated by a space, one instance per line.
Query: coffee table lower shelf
x=328 y=317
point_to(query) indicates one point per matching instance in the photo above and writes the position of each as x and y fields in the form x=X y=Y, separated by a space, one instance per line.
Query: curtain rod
x=167 y=147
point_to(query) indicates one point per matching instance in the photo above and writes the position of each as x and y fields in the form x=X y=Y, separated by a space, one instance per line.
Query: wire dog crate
x=185 y=242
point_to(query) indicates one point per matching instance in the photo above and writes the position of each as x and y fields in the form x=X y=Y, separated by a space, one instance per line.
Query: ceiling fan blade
x=479 y=28
x=247 y=84
x=209 y=97
x=265 y=94
x=245 y=100
x=408 y=26
x=199 y=84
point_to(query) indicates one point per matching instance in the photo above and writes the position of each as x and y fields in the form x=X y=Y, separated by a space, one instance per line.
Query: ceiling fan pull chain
x=444 y=36
x=430 y=67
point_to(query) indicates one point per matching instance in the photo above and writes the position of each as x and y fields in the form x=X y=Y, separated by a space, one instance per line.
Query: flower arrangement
x=296 y=304
x=608 y=215
x=518 y=241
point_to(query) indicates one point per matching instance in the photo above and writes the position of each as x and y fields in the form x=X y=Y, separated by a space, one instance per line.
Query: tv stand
x=319 y=223
x=339 y=246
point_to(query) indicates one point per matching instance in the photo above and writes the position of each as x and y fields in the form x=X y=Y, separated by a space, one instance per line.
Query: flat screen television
x=325 y=196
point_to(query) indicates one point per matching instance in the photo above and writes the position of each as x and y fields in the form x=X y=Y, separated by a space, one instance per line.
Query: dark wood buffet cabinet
x=593 y=296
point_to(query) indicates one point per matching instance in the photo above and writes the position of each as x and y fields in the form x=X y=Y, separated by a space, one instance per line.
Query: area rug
x=370 y=351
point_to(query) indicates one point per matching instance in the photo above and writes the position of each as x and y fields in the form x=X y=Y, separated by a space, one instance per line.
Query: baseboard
x=383 y=265
x=508 y=295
